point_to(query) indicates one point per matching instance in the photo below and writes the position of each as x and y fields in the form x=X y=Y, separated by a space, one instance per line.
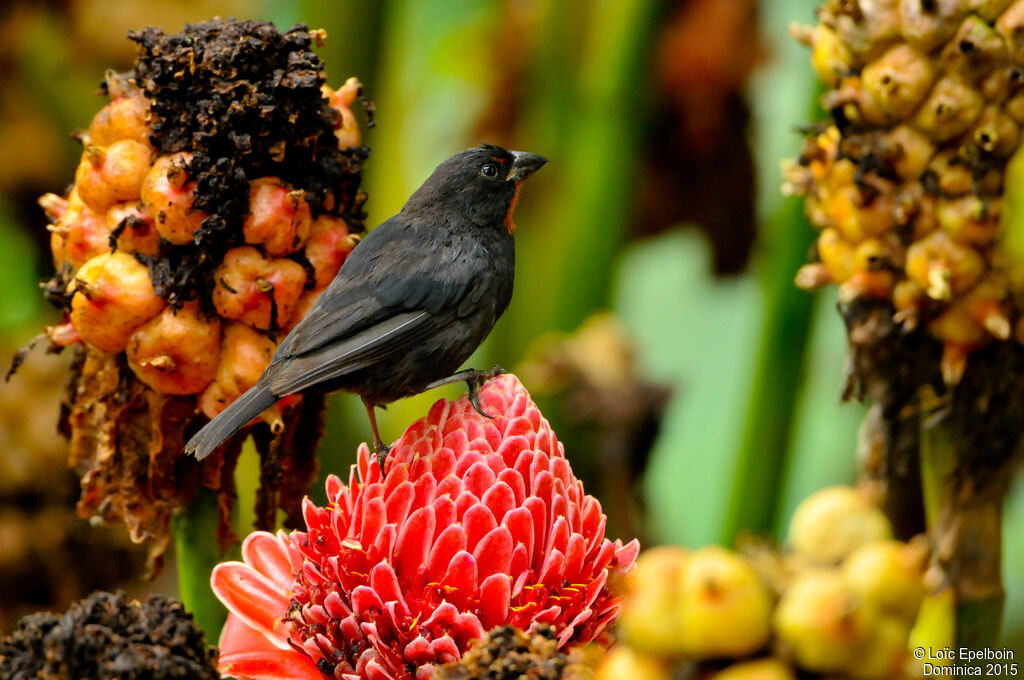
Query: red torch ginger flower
x=478 y=523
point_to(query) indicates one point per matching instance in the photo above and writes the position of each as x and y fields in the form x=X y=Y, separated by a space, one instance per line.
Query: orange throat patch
x=509 y=225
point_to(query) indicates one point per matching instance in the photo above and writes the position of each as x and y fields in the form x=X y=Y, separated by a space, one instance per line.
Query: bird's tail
x=229 y=421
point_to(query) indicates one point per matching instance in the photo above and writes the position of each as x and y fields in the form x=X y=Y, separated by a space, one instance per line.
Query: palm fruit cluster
x=216 y=197
x=906 y=183
x=838 y=601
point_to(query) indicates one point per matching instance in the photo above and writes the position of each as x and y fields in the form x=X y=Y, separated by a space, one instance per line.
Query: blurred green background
x=665 y=121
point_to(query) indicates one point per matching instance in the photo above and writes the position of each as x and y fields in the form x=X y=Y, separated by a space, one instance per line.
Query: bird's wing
x=393 y=271
x=365 y=348
x=392 y=293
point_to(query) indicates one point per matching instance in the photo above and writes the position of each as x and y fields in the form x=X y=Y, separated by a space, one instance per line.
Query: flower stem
x=965 y=527
x=197 y=551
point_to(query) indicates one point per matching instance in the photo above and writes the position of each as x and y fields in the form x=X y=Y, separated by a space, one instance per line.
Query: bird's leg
x=474 y=379
x=380 y=448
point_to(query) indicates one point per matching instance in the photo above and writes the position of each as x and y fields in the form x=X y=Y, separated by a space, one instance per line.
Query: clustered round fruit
x=839 y=602
x=216 y=198
x=129 y=205
x=906 y=184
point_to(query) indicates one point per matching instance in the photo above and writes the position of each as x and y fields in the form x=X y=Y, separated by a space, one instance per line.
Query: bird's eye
x=489 y=171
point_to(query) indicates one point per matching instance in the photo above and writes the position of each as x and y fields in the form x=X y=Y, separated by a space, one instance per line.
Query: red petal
x=384 y=582
x=374 y=517
x=478 y=520
x=539 y=512
x=461 y=574
x=442 y=619
x=336 y=606
x=445 y=513
x=268 y=555
x=551 y=572
x=479 y=478
x=365 y=599
x=399 y=501
x=457 y=441
x=253 y=598
x=520 y=561
x=443 y=462
x=495 y=598
x=419 y=651
x=269 y=666
x=515 y=482
x=420 y=467
x=464 y=501
x=524 y=465
x=467 y=459
x=574 y=555
x=451 y=541
x=374 y=670
x=385 y=542
x=626 y=555
x=425 y=488
x=519 y=426
x=511 y=448
x=494 y=553
x=520 y=524
x=500 y=499
x=543 y=485
x=414 y=543
x=559 y=538
x=450 y=486
x=466 y=629
x=439 y=412
x=445 y=649
x=559 y=506
x=311 y=514
x=561 y=470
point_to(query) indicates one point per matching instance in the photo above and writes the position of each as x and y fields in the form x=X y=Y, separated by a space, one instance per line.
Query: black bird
x=413 y=300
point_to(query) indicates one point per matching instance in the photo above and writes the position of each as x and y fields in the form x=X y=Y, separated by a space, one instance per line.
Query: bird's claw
x=474 y=399
x=382 y=450
x=475 y=381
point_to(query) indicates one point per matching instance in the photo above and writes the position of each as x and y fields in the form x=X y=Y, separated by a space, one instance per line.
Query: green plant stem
x=195 y=544
x=965 y=528
x=756 y=486
x=590 y=127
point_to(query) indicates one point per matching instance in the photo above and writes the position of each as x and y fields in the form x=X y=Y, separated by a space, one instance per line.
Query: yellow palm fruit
x=651 y=619
x=888 y=576
x=725 y=607
x=830 y=524
x=624 y=662
x=927 y=98
x=819 y=622
x=762 y=669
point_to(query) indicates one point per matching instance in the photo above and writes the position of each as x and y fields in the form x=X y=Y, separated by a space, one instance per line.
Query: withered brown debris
x=245 y=99
x=106 y=636
x=508 y=653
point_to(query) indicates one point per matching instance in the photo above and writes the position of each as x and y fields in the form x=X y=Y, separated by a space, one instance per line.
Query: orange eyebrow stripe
x=498 y=160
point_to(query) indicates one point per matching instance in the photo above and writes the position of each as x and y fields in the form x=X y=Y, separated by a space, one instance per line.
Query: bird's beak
x=523 y=165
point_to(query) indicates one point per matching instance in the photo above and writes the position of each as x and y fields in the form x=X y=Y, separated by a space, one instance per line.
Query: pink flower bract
x=478 y=523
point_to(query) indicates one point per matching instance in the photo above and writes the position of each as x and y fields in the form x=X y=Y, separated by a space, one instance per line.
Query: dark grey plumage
x=414 y=299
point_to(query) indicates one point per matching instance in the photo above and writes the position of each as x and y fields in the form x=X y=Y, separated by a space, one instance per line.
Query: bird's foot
x=382 y=450
x=474 y=379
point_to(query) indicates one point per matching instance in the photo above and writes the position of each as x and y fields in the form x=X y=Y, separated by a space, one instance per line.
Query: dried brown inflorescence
x=217 y=195
x=508 y=653
x=108 y=637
